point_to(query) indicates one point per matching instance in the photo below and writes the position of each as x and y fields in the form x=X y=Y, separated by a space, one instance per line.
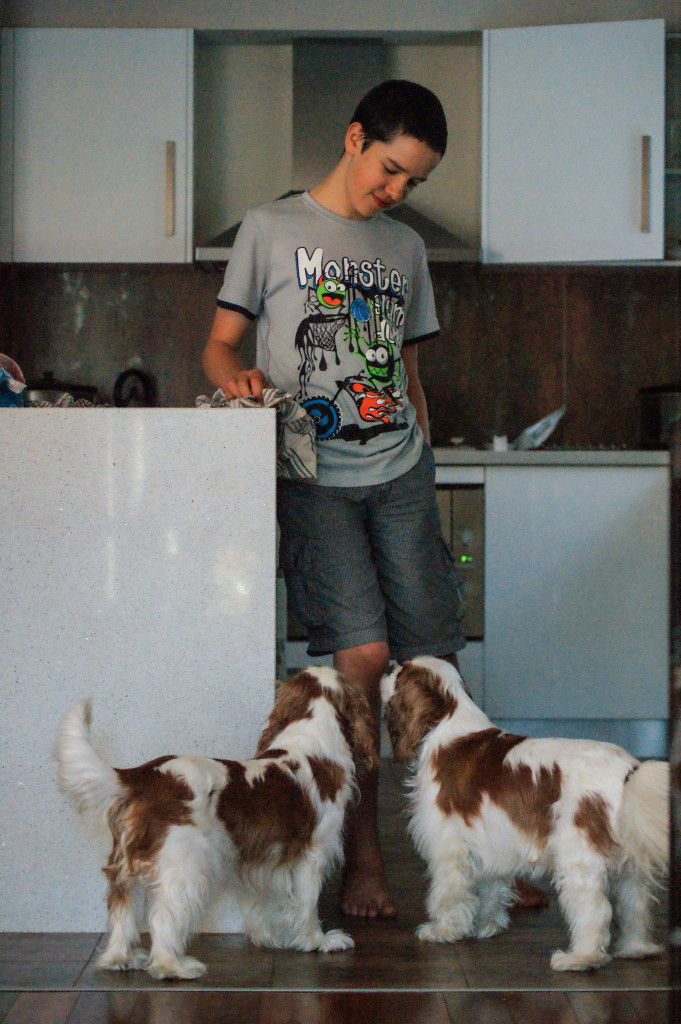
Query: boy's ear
x=354 y=138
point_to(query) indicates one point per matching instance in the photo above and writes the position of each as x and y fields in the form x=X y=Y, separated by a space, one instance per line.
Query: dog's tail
x=644 y=818
x=86 y=781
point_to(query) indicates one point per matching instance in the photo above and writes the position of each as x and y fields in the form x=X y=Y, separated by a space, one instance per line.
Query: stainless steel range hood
x=329 y=79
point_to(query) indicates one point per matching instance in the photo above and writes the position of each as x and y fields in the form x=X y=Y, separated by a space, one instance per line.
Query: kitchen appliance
x=136 y=388
x=659 y=408
x=49 y=389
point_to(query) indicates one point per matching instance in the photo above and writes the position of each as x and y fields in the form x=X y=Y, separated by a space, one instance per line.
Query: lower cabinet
x=576 y=595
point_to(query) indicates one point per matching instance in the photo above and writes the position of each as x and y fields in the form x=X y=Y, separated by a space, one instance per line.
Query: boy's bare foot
x=364 y=893
x=529 y=897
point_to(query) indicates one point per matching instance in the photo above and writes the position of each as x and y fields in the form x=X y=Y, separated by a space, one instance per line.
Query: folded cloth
x=296 y=433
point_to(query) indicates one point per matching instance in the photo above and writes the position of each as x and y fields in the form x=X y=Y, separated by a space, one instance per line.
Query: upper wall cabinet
x=96 y=145
x=573 y=143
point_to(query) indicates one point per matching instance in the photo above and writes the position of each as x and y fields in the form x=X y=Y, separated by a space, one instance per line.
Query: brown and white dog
x=488 y=806
x=268 y=829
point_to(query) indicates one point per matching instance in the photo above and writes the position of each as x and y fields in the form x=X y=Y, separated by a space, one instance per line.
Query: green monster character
x=380 y=362
x=331 y=292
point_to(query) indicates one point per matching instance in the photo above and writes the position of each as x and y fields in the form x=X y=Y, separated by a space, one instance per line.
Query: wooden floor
x=388 y=977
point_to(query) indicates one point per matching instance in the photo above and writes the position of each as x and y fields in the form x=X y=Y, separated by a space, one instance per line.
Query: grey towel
x=296 y=434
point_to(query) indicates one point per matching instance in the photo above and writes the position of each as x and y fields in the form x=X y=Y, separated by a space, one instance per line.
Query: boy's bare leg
x=364 y=890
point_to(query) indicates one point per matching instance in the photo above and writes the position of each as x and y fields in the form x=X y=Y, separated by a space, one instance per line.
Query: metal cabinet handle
x=645 y=184
x=170 y=189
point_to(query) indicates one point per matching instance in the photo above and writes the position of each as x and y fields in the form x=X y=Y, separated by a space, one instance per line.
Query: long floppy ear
x=291 y=705
x=357 y=723
x=417 y=705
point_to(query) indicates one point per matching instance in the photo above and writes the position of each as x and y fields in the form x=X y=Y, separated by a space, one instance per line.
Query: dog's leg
x=122 y=952
x=287 y=916
x=452 y=902
x=633 y=905
x=177 y=900
x=582 y=895
x=495 y=896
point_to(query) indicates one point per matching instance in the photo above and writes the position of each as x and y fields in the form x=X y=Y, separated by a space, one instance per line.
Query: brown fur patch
x=292 y=705
x=474 y=766
x=417 y=705
x=140 y=819
x=359 y=726
x=268 y=818
x=328 y=776
x=593 y=819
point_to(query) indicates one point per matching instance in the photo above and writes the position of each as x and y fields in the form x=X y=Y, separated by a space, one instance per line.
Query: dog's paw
x=637 y=950
x=486 y=929
x=439 y=931
x=569 y=961
x=335 y=941
x=133 y=960
x=183 y=967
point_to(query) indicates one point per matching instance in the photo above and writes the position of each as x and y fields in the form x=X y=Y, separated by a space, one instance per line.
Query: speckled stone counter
x=137 y=567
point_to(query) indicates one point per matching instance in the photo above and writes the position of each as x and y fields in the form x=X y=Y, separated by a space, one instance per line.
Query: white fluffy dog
x=268 y=828
x=487 y=806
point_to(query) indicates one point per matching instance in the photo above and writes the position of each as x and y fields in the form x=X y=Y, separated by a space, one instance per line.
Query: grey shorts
x=366 y=564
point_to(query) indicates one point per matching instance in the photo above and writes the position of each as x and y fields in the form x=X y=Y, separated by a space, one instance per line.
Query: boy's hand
x=245 y=383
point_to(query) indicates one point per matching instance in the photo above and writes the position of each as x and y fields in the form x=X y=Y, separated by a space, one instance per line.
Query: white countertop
x=460 y=456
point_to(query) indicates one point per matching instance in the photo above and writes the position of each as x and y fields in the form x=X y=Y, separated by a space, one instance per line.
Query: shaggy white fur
x=487 y=807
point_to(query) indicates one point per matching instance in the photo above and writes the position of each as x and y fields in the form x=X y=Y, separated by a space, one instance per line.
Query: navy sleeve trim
x=237 y=309
x=421 y=337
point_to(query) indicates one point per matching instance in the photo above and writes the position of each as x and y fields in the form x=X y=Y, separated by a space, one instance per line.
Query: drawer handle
x=645 y=184
x=170 y=189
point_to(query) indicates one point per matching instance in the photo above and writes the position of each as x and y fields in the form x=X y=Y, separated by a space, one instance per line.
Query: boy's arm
x=220 y=360
x=415 y=392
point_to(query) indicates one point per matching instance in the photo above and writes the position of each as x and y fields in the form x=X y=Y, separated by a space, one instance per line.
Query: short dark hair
x=399 y=106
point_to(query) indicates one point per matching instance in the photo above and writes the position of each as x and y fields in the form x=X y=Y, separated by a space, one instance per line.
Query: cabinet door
x=573 y=143
x=93 y=179
x=576 y=592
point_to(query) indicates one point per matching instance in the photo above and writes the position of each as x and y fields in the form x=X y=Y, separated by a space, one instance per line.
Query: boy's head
x=400 y=107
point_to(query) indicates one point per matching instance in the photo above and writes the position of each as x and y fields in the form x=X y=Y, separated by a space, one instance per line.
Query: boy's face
x=382 y=175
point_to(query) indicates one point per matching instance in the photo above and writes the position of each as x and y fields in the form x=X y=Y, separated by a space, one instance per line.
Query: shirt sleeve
x=244 y=284
x=421 y=322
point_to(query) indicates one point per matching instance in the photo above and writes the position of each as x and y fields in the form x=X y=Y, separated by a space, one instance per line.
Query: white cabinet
x=573 y=143
x=96 y=145
x=576 y=592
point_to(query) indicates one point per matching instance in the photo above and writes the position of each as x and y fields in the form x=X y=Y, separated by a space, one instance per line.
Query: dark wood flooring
x=388 y=977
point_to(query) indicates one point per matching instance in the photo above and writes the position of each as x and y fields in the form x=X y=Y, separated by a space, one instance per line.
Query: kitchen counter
x=137 y=568
x=460 y=456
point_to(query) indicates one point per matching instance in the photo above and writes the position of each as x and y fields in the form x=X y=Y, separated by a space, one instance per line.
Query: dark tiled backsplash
x=515 y=342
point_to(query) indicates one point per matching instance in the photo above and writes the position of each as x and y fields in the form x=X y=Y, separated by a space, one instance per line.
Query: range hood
x=329 y=79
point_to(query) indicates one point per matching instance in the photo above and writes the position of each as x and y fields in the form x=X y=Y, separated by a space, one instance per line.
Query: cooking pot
x=659 y=408
x=49 y=389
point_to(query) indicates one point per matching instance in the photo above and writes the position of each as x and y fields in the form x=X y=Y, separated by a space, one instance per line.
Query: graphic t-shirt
x=336 y=300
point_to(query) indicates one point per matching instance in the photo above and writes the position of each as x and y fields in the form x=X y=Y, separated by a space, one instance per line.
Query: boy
x=342 y=296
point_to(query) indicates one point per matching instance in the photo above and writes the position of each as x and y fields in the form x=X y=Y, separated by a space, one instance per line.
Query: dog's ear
x=417 y=705
x=360 y=729
x=292 y=703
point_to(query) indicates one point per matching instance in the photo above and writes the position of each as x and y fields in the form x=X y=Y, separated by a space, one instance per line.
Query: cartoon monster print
x=318 y=330
x=340 y=314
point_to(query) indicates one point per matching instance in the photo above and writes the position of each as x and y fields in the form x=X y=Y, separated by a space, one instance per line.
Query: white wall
x=305 y=16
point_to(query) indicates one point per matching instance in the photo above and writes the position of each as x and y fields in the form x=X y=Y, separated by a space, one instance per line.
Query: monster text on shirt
x=354 y=319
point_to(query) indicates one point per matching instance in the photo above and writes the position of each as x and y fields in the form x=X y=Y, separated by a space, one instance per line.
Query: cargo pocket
x=296 y=562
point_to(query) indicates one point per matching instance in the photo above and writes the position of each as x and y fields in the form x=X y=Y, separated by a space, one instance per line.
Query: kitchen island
x=138 y=554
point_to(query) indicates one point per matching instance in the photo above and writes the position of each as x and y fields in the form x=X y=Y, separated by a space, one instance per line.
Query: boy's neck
x=331 y=194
